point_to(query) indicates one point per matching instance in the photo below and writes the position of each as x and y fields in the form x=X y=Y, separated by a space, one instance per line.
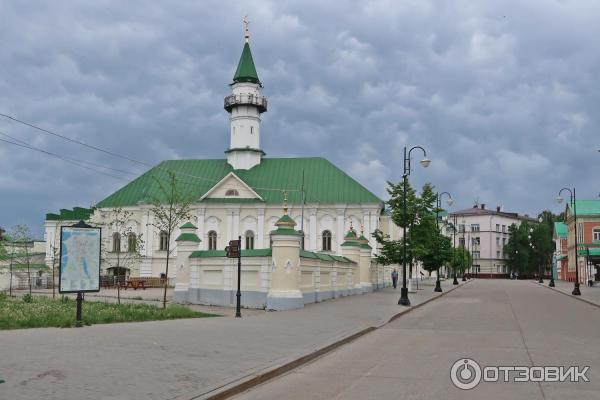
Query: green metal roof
x=587 y=207
x=246 y=71
x=188 y=237
x=325 y=256
x=561 y=229
x=76 y=214
x=221 y=253
x=188 y=225
x=323 y=182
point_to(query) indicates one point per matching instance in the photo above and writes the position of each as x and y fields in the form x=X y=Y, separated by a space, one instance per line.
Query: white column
x=367 y=224
x=229 y=228
x=149 y=228
x=260 y=235
x=236 y=224
x=201 y=234
x=340 y=229
x=313 y=230
x=372 y=227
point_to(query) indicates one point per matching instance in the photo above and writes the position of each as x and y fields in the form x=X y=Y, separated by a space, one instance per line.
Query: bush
x=28 y=298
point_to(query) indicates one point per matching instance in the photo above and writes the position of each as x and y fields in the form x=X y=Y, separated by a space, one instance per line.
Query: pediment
x=231 y=187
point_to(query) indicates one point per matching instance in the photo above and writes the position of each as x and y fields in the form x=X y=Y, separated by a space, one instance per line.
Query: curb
x=569 y=295
x=235 y=388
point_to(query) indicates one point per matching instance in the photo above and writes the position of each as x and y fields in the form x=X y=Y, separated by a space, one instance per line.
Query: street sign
x=233 y=250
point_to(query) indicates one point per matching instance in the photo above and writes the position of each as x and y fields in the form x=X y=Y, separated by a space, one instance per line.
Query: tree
x=461 y=259
x=21 y=240
x=170 y=207
x=112 y=248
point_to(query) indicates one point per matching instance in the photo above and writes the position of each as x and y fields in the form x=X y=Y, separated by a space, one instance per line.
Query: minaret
x=245 y=106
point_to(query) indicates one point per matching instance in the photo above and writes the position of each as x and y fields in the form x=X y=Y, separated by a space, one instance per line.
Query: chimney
x=498 y=208
x=482 y=206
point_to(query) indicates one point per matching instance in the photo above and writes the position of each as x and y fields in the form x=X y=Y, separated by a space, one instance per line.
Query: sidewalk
x=181 y=359
x=588 y=294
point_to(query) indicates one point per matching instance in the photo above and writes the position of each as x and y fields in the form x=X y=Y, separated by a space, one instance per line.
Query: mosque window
x=131 y=243
x=212 y=240
x=116 y=242
x=164 y=240
x=249 y=239
x=326 y=241
x=232 y=192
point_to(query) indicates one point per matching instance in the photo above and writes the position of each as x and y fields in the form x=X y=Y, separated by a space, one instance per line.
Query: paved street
x=498 y=322
x=180 y=359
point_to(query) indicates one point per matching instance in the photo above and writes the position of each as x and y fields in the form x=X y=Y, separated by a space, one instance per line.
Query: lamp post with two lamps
x=404 y=301
x=573 y=198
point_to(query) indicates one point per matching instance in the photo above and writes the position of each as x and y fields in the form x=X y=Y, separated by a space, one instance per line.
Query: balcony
x=245 y=99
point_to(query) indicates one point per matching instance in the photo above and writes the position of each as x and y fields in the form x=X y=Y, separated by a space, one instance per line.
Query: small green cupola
x=285 y=225
x=351 y=240
x=362 y=240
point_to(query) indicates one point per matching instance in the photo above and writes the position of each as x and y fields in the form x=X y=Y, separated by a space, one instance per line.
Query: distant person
x=395 y=278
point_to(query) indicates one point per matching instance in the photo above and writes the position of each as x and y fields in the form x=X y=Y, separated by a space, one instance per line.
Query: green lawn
x=39 y=312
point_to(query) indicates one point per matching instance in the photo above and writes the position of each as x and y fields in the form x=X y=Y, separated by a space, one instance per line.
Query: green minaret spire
x=246 y=71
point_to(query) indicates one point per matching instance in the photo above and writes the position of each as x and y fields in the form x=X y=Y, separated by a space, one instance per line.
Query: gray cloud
x=501 y=93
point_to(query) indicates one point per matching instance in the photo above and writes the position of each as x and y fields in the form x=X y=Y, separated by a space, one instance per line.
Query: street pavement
x=495 y=322
x=590 y=294
x=181 y=359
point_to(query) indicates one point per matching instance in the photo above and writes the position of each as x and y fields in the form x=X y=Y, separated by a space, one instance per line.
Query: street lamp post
x=455 y=281
x=425 y=163
x=573 y=195
x=438 y=286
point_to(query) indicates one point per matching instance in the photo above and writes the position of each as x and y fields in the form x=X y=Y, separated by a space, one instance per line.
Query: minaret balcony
x=245 y=100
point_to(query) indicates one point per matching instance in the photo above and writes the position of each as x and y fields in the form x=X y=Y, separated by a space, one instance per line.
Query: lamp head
x=425 y=162
x=559 y=199
x=540 y=220
x=450 y=202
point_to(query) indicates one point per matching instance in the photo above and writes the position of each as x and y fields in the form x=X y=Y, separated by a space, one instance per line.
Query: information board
x=79 y=269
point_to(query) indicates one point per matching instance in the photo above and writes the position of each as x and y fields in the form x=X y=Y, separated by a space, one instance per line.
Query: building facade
x=484 y=233
x=588 y=241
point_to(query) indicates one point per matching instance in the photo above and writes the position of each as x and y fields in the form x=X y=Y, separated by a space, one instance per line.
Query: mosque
x=305 y=224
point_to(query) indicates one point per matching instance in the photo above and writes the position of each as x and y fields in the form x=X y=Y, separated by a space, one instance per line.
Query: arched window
x=249 y=239
x=212 y=240
x=232 y=192
x=132 y=243
x=326 y=241
x=164 y=241
x=251 y=130
x=116 y=242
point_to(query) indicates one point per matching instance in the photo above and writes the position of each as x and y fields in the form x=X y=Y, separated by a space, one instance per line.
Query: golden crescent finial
x=285 y=203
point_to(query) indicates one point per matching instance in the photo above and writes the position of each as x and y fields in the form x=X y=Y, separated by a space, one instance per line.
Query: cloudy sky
x=503 y=94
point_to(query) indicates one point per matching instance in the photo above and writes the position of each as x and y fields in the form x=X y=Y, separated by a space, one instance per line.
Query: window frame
x=326 y=240
x=212 y=239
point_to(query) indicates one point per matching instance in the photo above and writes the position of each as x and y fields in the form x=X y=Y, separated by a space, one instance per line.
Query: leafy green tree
x=461 y=259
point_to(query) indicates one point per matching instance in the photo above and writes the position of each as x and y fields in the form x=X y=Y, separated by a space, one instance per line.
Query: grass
x=41 y=312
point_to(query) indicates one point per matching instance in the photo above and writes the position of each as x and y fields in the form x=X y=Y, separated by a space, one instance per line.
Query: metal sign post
x=79 y=266
x=234 y=250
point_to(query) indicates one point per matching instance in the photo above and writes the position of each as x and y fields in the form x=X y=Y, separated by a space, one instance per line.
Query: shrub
x=28 y=298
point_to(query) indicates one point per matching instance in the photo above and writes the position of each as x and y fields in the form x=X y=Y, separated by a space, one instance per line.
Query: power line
x=74 y=140
x=93 y=147
x=61 y=158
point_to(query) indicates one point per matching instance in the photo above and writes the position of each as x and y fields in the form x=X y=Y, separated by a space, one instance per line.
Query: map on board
x=79 y=260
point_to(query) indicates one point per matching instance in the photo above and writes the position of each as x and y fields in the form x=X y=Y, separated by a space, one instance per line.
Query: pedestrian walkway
x=589 y=294
x=492 y=322
x=181 y=359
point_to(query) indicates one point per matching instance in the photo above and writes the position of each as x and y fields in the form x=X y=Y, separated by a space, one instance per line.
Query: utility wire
x=31 y=125
x=31 y=147
x=71 y=161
